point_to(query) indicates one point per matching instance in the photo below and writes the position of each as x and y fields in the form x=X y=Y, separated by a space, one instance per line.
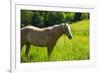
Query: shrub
x=84 y=16
x=26 y=16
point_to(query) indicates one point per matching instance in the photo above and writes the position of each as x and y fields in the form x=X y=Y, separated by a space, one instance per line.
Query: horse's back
x=33 y=28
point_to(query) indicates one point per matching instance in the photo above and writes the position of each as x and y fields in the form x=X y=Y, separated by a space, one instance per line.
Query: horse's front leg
x=49 y=49
x=27 y=50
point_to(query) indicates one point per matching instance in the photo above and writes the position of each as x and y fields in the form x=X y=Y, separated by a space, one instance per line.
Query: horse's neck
x=58 y=32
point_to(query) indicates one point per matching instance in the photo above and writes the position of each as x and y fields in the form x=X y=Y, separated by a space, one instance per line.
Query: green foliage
x=69 y=16
x=77 y=48
x=77 y=17
x=85 y=16
x=54 y=18
x=49 y=18
x=26 y=17
x=38 y=19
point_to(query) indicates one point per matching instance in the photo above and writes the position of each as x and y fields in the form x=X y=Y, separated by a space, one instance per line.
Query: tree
x=49 y=18
x=85 y=16
x=26 y=16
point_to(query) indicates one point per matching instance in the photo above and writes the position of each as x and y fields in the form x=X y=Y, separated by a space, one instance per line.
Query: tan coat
x=41 y=36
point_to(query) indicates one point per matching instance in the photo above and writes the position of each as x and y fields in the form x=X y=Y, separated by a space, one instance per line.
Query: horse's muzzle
x=70 y=37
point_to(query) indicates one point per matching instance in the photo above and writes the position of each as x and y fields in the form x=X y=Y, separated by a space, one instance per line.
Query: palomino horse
x=43 y=36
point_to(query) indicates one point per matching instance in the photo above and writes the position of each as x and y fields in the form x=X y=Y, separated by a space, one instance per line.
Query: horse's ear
x=68 y=21
x=65 y=24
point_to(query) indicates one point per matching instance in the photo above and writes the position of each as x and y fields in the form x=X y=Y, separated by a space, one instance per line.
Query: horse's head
x=67 y=30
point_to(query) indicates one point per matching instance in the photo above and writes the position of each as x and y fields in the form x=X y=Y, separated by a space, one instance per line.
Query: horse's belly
x=38 y=40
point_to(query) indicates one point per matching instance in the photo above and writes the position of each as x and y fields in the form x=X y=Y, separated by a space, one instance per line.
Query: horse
x=43 y=37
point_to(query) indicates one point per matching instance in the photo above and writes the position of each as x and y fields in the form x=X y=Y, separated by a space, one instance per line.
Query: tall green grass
x=77 y=48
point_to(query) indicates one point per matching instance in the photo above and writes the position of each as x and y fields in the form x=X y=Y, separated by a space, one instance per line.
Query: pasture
x=77 y=48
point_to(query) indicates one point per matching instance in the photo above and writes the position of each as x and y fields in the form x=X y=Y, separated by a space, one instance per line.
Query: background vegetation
x=49 y=18
x=65 y=49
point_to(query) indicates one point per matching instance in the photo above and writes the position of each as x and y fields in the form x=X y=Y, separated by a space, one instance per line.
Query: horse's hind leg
x=27 y=50
x=21 y=51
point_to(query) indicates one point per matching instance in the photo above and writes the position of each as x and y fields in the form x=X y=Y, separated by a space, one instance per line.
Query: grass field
x=77 y=48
